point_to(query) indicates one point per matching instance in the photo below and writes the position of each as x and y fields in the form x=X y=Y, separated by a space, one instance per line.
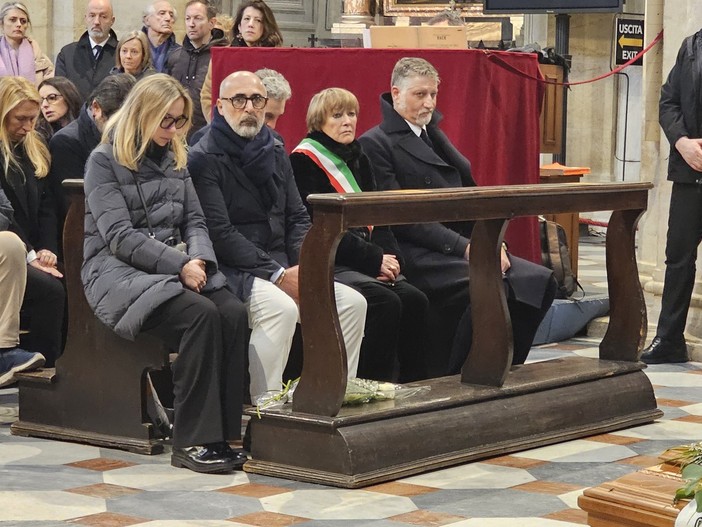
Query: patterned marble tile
x=101 y=464
x=47 y=505
x=569 y=515
x=693 y=409
x=547 y=487
x=108 y=519
x=671 y=402
x=166 y=477
x=690 y=419
x=514 y=462
x=252 y=490
x=45 y=453
x=396 y=488
x=269 y=519
x=191 y=523
x=665 y=430
x=580 y=450
x=45 y=478
x=512 y=522
x=104 y=490
x=641 y=461
x=427 y=518
x=473 y=476
x=334 y=504
x=613 y=439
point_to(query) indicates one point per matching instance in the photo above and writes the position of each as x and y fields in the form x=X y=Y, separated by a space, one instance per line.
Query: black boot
x=663 y=351
x=208 y=459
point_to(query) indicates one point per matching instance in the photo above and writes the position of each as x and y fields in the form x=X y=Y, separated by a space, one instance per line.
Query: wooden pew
x=491 y=408
x=97 y=392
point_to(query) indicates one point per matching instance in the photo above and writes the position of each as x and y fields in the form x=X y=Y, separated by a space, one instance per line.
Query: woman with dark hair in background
x=255 y=26
x=24 y=159
x=60 y=104
x=145 y=230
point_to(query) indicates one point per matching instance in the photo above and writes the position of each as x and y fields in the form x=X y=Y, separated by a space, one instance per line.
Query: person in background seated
x=89 y=60
x=279 y=93
x=13 y=279
x=71 y=146
x=133 y=56
x=257 y=222
x=144 y=229
x=408 y=150
x=368 y=259
x=20 y=55
x=60 y=104
x=159 y=19
x=24 y=159
x=254 y=26
x=446 y=18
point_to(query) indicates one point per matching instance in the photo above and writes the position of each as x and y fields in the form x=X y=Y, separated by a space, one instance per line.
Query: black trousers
x=209 y=333
x=684 y=236
x=445 y=280
x=395 y=332
x=44 y=301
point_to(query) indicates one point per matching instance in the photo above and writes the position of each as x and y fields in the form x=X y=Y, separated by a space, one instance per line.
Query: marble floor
x=52 y=484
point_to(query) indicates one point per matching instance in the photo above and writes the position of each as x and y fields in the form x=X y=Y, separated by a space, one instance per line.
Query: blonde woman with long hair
x=149 y=266
x=24 y=161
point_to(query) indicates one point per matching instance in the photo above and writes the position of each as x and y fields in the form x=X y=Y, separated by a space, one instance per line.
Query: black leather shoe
x=237 y=457
x=663 y=351
x=207 y=459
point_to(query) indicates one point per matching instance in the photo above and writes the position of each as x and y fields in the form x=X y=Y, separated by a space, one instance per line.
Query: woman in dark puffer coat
x=149 y=267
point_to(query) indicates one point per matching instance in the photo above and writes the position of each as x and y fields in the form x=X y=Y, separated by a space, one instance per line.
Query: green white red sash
x=336 y=169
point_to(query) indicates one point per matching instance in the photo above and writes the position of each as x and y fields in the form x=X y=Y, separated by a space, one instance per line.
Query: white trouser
x=13 y=279
x=272 y=319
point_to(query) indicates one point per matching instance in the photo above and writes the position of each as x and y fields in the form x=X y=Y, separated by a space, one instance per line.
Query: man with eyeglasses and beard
x=257 y=221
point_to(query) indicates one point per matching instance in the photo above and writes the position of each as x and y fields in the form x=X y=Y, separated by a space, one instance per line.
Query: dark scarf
x=255 y=157
x=350 y=154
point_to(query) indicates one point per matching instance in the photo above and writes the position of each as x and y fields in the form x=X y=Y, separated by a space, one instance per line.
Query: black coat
x=679 y=108
x=434 y=251
x=70 y=148
x=249 y=240
x=77 y=62
x=33 y=204
x=360 y=249
x=401 y=160
x=189 y=66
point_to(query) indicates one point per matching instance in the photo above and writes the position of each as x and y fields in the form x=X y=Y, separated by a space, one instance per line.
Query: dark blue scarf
x=256 y=157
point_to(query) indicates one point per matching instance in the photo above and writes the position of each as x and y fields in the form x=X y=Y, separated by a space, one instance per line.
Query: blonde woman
x=145 y=231
x=24 y=162
x=20 y=56
x=133 y=55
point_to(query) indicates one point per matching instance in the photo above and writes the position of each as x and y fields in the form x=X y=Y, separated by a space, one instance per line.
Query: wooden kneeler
x=491 y=408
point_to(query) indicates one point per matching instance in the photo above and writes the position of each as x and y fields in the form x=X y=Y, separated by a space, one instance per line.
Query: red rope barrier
x=497 y=59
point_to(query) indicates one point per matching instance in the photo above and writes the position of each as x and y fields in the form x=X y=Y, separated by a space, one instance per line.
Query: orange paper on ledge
x=556 y=169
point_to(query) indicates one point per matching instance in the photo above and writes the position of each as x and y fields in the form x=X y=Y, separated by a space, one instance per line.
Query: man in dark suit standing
x=90 y=59
x=409 y=151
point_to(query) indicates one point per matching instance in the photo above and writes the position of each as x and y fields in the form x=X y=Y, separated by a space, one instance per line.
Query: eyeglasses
x=169 y=121
x=52 y=98
x=239 y=101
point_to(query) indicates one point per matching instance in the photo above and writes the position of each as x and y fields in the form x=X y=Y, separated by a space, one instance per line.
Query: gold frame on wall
x=430 y=8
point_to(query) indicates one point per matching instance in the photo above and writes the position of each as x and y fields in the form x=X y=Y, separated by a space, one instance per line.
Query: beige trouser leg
x=13 y=279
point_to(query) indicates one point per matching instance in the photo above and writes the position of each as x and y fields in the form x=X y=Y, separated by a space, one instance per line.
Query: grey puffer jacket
x=126 y=273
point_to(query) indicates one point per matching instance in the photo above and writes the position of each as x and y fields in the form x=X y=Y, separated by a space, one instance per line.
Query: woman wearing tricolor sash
x=368 y=259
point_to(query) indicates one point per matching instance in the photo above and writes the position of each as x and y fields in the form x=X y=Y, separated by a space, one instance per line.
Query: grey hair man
x=159 y=18
x=90 y=59
x=408 y=150
x=279 y=92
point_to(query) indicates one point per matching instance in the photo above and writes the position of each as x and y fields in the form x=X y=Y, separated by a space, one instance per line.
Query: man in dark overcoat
x=679 y=115
x=90 y=59
x=409 y=151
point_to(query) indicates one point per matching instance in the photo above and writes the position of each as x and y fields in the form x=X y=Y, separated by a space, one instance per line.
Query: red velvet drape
x=490 y=113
